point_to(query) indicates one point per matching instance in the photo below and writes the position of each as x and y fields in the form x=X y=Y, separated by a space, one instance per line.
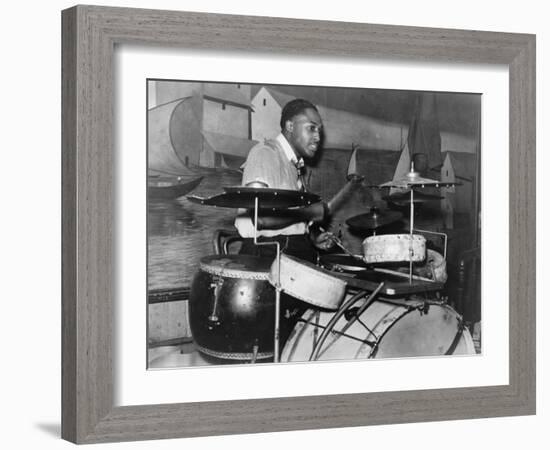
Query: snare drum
x=383 y=330
x=232 y=307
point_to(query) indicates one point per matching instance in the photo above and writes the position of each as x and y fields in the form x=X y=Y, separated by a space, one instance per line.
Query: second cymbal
x=404 y=198
x=374 y=219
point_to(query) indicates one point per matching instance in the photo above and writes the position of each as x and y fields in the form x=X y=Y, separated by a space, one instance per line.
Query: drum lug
x=350 y=313
x=425 y=308
x=255 y=349
x=214 y=321
x=213 y=318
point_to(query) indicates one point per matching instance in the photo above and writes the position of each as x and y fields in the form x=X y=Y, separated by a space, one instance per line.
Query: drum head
x=383 y=330
x=420 y=333
x=237 y=266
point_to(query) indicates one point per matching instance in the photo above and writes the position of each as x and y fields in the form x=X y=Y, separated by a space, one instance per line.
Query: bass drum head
x=383 y=330
x=419 y=333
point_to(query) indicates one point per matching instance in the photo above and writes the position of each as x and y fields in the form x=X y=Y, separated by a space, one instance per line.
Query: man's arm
x=316 y=213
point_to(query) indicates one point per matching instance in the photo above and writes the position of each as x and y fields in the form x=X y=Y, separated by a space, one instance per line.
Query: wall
x=30 y=226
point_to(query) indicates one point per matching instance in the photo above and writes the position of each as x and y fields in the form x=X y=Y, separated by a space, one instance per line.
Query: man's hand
x=323 y=241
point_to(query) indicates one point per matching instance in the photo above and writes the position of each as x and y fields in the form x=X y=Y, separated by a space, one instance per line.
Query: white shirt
x=272 y=163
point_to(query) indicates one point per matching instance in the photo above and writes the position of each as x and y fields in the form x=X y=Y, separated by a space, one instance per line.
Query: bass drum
x=231 y=307
x=384 y=329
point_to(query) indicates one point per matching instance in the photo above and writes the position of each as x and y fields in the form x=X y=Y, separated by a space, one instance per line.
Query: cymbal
x=404 y=198
x=374 y=219
x=413 y=179
x=244 y=197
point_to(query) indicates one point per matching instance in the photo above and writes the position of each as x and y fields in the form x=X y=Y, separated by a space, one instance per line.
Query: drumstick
x=401 y=274
x=342 y=195
x=338 y=242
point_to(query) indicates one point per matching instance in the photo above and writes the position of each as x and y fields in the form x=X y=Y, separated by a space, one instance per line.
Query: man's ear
x=289 y=126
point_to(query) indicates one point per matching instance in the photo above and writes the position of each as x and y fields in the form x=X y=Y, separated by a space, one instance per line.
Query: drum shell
x=434 y=268
x=390 y=248
x=229 y=316
x=397 y=330
x=309 y=283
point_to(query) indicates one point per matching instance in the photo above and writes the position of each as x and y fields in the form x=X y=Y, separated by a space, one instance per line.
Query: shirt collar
x=288 y=151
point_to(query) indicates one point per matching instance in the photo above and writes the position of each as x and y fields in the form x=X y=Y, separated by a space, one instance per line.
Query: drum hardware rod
x=277 y=282
x=456 y=339
x=401 y=274
x=347 y=304
x=316 y=326
x=277 y=325
x=445 y=237
x=366 y=327
x=374 y=348
x=254 y=353
x=411 y=226
x=339 y=243
x=217 y=285
x=358 y=313
x=316 y=329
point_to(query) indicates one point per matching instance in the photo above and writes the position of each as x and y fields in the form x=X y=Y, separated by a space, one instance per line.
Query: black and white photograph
x=291 y=223
x=275 y=225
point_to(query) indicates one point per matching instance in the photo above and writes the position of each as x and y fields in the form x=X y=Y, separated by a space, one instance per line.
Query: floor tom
x=231 y=307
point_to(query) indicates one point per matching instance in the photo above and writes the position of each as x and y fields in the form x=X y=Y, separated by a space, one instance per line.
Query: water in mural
x=180 y=232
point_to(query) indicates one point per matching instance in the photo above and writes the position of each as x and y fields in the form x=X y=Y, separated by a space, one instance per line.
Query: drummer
x=279 y=164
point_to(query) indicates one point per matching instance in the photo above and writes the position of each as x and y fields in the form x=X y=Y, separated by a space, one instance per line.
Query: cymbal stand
x=277 y=282
x=411 y=228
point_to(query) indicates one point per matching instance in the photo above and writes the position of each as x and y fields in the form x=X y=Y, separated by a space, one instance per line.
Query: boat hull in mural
x=170 y=187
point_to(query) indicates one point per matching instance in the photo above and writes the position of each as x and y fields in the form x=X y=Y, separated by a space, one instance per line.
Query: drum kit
x=361 y=306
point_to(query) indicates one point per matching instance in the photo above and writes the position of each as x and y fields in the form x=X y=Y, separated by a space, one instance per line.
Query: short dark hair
x=293 y=108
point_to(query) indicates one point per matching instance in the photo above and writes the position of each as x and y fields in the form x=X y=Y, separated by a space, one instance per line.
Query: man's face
x=303 y=133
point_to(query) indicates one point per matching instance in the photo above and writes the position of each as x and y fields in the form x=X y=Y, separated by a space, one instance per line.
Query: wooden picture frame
x=89 y=37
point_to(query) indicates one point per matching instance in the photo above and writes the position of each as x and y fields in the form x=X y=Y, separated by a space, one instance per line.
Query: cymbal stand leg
x=276 y=357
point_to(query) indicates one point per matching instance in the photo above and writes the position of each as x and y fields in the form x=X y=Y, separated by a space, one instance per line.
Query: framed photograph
x=392 y=166
x=376 y=134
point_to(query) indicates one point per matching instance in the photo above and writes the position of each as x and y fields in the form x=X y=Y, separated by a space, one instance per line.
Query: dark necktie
x=300 y=169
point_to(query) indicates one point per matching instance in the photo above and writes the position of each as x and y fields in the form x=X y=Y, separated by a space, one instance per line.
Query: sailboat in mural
x=401 y=170
x=352 y=165
x=205 y=129
x=170 y=187
x=208 y=127
x=169 y=173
